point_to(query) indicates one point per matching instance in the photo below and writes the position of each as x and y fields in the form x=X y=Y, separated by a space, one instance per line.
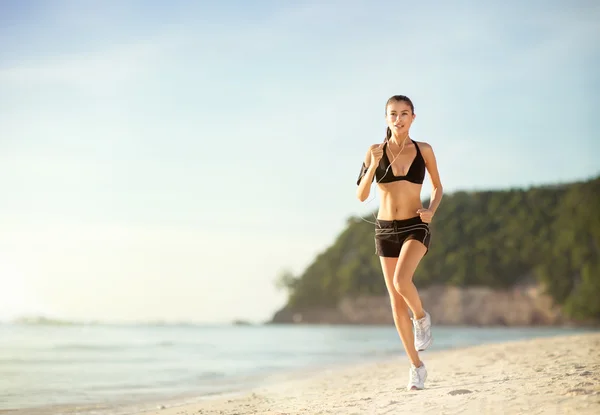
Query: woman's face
x=399 y=117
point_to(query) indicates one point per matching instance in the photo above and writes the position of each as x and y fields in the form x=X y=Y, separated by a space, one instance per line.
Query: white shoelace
x=418 y=327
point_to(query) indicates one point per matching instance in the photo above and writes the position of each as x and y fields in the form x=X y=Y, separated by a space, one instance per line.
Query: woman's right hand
x=376 y=154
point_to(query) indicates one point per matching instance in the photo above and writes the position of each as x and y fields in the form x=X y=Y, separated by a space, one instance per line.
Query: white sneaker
x=423 y=337
x=417 y=377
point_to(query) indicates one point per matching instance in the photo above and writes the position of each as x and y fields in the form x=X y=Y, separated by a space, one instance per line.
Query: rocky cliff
x=518 y=306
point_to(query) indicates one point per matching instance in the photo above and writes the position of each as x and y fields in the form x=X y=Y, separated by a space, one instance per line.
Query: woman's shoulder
x=423 y=145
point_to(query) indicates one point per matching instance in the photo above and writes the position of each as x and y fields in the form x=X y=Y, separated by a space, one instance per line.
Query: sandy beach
x=559 y=375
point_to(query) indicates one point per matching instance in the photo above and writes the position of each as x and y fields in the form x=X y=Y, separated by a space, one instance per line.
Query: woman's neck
x=400 y=141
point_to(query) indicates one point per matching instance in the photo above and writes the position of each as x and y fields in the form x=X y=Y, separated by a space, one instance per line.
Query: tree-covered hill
x=548 y=234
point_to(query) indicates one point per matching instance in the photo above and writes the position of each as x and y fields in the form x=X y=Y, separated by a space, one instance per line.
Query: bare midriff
x=399 y=200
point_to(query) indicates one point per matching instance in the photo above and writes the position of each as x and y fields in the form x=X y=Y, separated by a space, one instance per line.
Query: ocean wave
x=120 y=346
x=22 y=361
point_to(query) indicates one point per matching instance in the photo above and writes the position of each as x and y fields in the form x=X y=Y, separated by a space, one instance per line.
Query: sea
x=125 y=369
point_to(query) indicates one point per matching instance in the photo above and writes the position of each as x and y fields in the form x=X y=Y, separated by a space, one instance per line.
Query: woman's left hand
x=425 y=214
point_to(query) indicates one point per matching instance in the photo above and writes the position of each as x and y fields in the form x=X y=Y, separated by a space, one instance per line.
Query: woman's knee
x=402 y=285
x=402 y=279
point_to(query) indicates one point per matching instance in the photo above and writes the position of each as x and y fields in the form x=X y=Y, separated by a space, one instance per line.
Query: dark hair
x=397 y=98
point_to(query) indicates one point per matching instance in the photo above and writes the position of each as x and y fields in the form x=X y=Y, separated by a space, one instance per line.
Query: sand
x=558 y=375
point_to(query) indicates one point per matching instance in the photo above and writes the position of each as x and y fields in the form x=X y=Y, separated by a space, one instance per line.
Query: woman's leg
x=410 y=255
x=400 y=310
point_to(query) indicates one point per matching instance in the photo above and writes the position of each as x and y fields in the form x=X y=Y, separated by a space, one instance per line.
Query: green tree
x=486 y=238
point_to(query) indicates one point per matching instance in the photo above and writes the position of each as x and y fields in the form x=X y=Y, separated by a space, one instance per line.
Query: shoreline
x=378 y=385
x=541 y=375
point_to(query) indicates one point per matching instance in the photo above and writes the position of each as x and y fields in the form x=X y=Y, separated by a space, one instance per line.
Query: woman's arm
x=367 y=171
x=432 y=169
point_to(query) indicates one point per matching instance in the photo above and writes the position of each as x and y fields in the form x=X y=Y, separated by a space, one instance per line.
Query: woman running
x=402 y=232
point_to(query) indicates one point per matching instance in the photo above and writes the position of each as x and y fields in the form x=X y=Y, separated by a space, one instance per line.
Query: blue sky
x=167 y=160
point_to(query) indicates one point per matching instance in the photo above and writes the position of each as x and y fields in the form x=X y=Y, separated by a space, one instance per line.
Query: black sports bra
x=415 y=174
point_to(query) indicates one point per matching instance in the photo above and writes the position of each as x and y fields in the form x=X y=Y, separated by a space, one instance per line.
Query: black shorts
x=390 y=235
